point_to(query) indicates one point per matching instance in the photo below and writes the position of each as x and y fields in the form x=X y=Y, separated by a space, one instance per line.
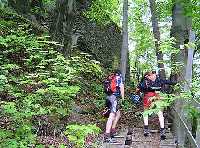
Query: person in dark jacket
x=150 y=86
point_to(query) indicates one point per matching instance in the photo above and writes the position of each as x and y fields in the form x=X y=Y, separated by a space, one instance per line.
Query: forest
x=55 y=56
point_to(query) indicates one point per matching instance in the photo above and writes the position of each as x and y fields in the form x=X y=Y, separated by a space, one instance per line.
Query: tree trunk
x=21 y=6
x=181 y=26
x=156 y=32
x=61 y=27
x=188 y=74
x=198 y=132
x=124 y=49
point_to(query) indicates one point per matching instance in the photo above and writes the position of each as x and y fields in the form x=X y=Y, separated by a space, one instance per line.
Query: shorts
x=146 y=101
x=112 y=103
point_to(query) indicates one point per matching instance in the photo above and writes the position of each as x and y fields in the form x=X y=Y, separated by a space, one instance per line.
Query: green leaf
x=9 y=108
x=5 y=134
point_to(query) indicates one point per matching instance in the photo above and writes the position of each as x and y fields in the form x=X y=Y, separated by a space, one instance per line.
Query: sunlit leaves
x=142 y=36
x=166 y=46
x=78 y=133
x=195 y=16
x=157 y=105
x=36 y=78
x=87 y=67
x=164 y=9
x=105 y=11
x=10 y=108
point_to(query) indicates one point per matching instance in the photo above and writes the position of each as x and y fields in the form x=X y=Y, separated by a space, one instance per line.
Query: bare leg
x=117 y=117
x=161 y=119
x=145 y=117
x=146 y=129
x=110 y=122
x=162 y=129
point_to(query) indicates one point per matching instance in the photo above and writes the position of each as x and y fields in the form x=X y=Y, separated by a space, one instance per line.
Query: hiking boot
x=113 y=132
x=162 y=134
x=109 y=140
x=146 y=131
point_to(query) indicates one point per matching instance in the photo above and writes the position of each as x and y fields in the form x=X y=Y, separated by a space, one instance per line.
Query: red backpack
x=110 y=85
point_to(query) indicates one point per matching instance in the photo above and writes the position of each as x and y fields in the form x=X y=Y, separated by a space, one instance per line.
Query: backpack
x=110 y=85
x=136 y=99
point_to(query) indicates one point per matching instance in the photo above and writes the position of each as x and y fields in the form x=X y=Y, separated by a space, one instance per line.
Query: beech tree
x=124 y=49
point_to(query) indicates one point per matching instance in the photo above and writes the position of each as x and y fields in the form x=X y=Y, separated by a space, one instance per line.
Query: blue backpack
x=136 y=99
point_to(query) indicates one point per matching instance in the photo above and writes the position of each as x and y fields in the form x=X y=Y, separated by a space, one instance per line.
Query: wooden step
x=168 y=142
x=120 y=138
x=168 y=146
x=112 y=145
x=138 y=140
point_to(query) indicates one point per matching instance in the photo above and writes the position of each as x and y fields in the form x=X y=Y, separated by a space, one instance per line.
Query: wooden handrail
x=197 y=103
x=186 y=129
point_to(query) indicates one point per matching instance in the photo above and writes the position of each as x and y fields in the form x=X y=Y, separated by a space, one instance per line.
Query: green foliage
x=3 y=3
x=195 y=87
x=36 y=77
x=143 y=55
x=195 y=16
x=192 y=112
x=99 y=96
x=126 y=105
x=89 y=76
x=164 y=9
x=86 y=67
x=3 y=82
x=166 y=46
x=36 y=80
x=49 y=5
x=78 y=133
x=158 y=105
x=48 y=2
x=104 y=11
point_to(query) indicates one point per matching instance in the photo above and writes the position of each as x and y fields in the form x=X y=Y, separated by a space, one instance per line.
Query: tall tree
x=156 y=32
x=124 y=49
x=62 y=23
x=181 y=26
x=21 y=6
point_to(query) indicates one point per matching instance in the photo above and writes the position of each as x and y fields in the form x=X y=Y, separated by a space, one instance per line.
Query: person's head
x=153 y=72
x=153 y=75
x=147 y=74
x=117 y=71
x=150 y=75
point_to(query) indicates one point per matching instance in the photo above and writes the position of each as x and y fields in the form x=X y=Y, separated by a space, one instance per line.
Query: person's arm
x=121 y=85
x=122 y=91
x=142 y=86
x=168 y=82
x=137 y=90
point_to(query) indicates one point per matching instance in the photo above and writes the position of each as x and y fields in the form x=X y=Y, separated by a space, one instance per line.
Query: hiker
x=150 y=85
x=113 y=96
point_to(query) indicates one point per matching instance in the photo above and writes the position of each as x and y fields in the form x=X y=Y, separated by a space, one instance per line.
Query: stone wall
x=103 y=42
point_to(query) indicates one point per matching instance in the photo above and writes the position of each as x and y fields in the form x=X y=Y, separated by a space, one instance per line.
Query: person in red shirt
x=150 y=86
x=112 y=103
